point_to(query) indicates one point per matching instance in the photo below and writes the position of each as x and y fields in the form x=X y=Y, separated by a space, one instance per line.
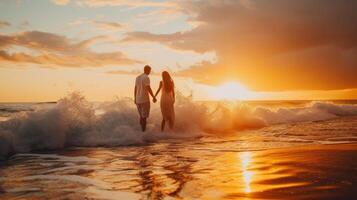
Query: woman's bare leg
x=162 y=125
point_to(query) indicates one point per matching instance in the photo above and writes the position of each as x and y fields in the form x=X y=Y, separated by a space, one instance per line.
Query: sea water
x=75 y=149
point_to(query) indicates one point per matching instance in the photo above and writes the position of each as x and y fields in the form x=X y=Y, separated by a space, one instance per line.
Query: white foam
x=73 y=122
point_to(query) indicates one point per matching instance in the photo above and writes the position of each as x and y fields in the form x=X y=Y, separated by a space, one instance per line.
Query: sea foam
x=74 y=121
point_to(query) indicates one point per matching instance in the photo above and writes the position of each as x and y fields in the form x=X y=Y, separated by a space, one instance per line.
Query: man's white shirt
x=142 y=95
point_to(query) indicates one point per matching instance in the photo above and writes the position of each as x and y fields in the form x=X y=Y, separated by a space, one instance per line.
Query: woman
x=167 y=100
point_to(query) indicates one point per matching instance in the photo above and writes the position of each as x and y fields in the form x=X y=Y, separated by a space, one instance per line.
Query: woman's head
x=168 y=82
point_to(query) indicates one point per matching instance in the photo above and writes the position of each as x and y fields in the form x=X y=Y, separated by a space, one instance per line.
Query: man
x=141 y=96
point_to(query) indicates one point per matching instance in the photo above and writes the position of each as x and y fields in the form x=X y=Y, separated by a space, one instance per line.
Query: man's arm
x=148 y=88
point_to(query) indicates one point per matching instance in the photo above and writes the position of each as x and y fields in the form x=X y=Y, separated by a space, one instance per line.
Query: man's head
x=147 y=69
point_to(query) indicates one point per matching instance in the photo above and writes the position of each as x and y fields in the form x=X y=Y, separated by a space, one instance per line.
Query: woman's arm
x=158 y=90
x=135 y=89
x=173 y=93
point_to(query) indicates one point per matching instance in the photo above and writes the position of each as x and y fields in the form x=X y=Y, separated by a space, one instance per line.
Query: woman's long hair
x=168 y=82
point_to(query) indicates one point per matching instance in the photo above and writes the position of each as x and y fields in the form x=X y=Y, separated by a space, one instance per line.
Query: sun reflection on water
x=246 y=158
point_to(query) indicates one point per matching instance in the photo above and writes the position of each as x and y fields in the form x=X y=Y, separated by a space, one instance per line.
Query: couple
x=142 y=100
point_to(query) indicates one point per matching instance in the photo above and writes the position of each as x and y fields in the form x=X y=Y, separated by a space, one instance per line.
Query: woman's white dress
x=167 y=104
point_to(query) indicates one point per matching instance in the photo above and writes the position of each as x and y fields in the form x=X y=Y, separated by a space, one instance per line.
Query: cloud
x=160 y=16
x=128 y=3
x=132 y=72
x=24 y=25
x=101 y=25
x=172 y=40
x=139 y=71
x=42 y=41
x=269 y=45
x=4 y=24
x=109 y=25
x=61 y=2
x=123 y=72
x=75 y=61
x=51 y=50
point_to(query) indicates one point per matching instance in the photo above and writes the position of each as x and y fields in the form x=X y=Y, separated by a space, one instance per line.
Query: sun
x=231 y=91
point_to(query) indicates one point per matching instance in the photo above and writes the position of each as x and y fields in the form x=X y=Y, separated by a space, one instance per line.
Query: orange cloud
x=103 y=25
x=132 y=72
x=4 y=24
x=51 y=50
x=270 y=45
x=61 y=2
x=109 y=25
x=123 y=72
x=88 y=59
x=129 y=3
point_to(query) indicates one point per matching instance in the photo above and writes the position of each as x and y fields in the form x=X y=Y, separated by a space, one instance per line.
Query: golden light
x=245 y=158
x=231 y=91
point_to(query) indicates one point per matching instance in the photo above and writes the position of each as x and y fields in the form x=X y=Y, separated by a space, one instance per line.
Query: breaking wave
x=74 y=121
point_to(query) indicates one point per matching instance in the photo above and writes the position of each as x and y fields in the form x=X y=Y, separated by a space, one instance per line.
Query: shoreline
x=321 y=171
x=317 y=171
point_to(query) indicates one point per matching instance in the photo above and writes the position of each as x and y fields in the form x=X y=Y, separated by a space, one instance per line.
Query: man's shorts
x=144 y=109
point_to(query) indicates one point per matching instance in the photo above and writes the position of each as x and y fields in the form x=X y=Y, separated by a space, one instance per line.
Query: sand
x=178 y=171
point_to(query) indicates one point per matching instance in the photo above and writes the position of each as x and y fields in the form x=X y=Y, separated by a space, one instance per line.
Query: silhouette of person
x=141 y=96
x=167 y=100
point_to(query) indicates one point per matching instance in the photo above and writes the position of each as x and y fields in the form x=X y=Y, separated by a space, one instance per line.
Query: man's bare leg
x=171 y=124
x=143 y=124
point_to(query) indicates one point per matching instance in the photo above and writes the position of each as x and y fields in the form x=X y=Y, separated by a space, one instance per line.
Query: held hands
x=154 y=99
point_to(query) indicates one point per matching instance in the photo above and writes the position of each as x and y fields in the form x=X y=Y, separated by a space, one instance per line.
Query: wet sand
x=306 y=172
x=182 y=171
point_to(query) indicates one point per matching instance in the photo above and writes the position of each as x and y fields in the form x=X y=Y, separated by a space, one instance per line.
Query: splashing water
x=73 y=121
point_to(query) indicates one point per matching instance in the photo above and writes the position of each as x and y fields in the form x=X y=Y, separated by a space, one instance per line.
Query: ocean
x=76 y=149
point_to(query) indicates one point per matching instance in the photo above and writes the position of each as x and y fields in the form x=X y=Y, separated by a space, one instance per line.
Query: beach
x=170 y=171
x=178 y=99
x=75 y=149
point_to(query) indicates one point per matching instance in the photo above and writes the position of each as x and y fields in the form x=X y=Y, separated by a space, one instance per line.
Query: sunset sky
x=216 y=49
